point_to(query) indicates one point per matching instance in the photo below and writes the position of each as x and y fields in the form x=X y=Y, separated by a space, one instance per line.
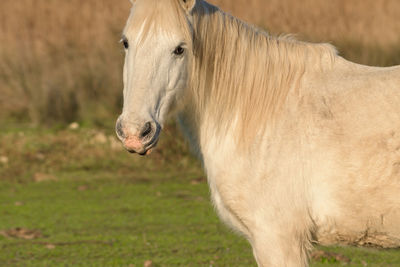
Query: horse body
x=299 y=145
x=328 y=173
x=356 y=113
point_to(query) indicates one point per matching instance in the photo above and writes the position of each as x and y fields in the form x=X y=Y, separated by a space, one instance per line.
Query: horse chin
x=147 y=152
x=149 y=148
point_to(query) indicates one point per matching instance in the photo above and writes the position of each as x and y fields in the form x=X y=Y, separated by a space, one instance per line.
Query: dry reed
x=61 y=60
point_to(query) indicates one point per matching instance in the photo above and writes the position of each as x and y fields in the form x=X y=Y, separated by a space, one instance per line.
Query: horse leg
x=279 y=231
x=277 y=247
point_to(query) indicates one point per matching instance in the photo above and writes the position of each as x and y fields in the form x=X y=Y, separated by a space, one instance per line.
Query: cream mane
x=239 y=70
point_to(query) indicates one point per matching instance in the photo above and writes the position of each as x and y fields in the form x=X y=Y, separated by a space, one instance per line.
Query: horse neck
x=240 y=76
x=201 y=108
x=209 y=108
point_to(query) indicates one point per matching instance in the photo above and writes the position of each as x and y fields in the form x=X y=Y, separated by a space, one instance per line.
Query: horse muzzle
x=143 y=141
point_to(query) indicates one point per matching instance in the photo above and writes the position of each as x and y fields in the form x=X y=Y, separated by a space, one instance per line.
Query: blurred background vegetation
x=60 y=61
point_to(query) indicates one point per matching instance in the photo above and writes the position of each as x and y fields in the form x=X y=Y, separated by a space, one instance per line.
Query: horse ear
x=188 y=5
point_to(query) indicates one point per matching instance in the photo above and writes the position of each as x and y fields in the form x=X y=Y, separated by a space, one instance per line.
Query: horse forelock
x=151 y=16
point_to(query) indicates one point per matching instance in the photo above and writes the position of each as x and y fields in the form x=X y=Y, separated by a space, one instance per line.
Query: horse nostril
x=147 y=129
x=119 y=130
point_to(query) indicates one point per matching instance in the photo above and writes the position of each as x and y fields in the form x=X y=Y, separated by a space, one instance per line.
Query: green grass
x=117 y=222
x=100 y=206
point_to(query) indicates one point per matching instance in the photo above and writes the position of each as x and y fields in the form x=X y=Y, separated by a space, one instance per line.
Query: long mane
x=241 y=75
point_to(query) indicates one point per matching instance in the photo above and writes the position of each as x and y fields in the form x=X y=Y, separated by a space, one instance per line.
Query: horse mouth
x=147 y=149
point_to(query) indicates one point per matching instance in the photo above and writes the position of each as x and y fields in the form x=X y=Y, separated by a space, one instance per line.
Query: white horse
x=299 y=145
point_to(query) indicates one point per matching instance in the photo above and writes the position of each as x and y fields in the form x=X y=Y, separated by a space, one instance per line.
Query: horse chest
x=227 y=201
x=225 y=178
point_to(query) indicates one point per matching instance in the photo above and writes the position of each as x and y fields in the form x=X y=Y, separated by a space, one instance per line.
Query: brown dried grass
x=367 y=22
x=61 y=60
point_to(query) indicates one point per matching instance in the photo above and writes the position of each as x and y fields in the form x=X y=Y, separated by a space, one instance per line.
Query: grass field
x=75 y=198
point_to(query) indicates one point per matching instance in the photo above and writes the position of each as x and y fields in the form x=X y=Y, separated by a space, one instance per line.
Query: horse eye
x=179 y=50
x=126 y=44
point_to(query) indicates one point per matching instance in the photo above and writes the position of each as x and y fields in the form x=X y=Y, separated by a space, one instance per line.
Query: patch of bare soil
x=21 y=233
x=43 y=177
